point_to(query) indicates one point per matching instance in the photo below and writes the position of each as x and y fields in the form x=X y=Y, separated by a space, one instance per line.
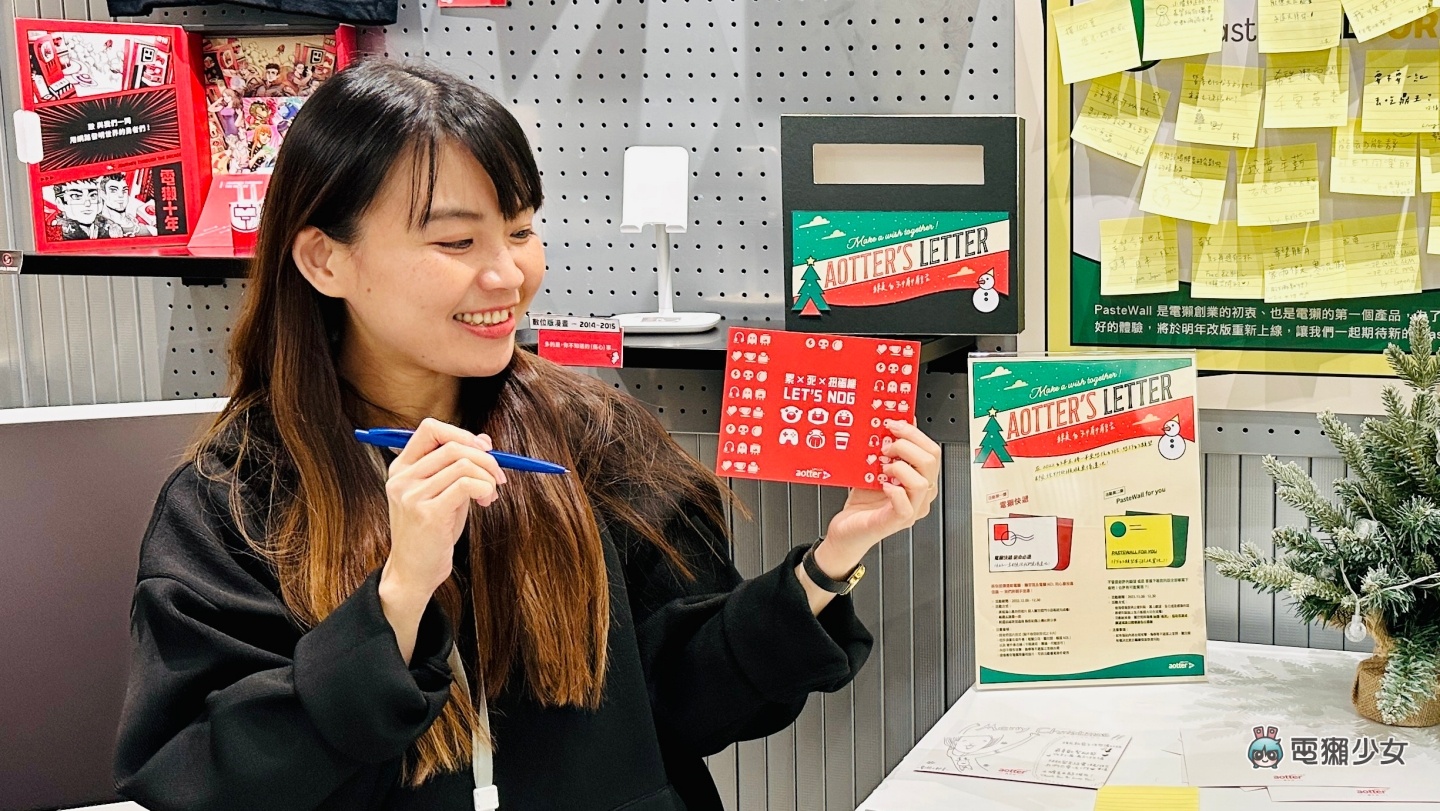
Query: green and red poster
x=1085 y=481
x=873 y=258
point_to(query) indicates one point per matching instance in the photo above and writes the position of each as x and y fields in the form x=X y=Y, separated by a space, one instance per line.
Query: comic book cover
x=254 y=86
x=121 y=159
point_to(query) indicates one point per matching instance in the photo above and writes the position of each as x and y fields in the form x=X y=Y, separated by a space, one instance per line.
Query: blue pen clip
x=398 y=437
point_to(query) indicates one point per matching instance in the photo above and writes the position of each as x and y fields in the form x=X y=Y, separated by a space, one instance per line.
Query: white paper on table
x=1027 y=754
x=1229 y=799
x=1352 y=794
x=1220 y=758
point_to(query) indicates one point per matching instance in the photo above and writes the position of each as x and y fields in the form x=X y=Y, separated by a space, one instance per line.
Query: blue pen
x=397 y=437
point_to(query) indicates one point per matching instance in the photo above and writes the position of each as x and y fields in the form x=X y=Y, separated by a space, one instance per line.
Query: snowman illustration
x=1172 y=445
x=986 y=299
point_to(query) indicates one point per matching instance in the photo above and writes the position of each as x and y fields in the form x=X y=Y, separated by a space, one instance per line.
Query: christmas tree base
x=1367 y=685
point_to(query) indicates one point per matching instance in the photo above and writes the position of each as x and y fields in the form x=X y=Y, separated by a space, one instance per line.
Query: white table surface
x=1249 y=684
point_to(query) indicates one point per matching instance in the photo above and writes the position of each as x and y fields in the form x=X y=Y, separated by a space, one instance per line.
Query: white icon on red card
x=824 y=343
x=762 y=376
x=752 y=469
x=818 y=416
x=869 y=477
x=844 y=417
x=880 y=367
x=791 y=414
x=837 y=345
x=759 y=413
x=815 y=439
x=756 y=430
x=725 y=465
x=809 y=343
x=789 y=436
x=842 y=440
x=880 y=348
x=764 y=357
x=754 y=449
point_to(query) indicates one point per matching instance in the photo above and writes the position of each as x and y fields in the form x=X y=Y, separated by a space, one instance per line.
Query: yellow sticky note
x=1308 y=89
x=1278 y=185
x=1139 y=541
x=1401 y=91
x=1371 y=18
x=1305 y=264
x=1147 y=798
x=1185 y=182
x=1182 y=27
x=1138 y=255
x=1220 y=105
x=1382 y=255
x=1299 y=25
x=1381 y=163
x=1120 y=117
x=1096 y=38
x=1429 y=162
x=1432 y=242
x=1227 y=261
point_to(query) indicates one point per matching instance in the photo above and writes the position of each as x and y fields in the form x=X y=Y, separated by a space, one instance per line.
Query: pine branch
x=1344 y=438
x=1412 y=677
x=1295 y=487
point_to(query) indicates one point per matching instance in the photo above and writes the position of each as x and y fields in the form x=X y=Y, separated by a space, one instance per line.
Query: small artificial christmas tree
x=1369 y=560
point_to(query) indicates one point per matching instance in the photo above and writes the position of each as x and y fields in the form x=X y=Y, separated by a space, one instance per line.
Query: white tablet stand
x=657 y=192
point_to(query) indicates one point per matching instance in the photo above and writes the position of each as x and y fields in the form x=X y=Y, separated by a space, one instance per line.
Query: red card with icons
x=810 y=409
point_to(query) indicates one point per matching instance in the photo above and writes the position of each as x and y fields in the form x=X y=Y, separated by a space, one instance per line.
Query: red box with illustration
x=120 y=160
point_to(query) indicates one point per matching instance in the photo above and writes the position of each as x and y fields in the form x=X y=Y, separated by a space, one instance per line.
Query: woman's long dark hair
x=537 y=570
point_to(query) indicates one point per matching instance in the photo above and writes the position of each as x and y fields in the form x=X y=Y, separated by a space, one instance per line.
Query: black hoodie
x=232 y=705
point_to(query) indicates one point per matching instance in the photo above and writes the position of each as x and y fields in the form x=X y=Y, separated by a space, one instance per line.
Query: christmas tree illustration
x=811 y=298
x=992 y=453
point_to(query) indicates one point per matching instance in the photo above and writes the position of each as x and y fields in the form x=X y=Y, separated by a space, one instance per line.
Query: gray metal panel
x=897 y=648
x=1289 y=629
x=839 y=708
x=959 y=579
x=810 y=726
x=1222 y=529
x=775 y=509
x=927 y=602
x=1257 y=518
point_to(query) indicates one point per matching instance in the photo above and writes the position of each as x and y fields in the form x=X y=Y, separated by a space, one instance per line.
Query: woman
x=299 y=592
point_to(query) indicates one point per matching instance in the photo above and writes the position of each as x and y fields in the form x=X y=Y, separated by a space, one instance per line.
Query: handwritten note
x=1299 y=25
x=1003 y=751
x=1402 y=91
x=1185 y=182
x=1096 y=39
x=1147 y=798
x=1429 y=163
x=1307 y=89
x=1371 y=18
x=1120 y=117
x=1378 y=163
x=1138 y=255
x=1278 y=185
x=1182 y=27
x=1227 y=261
x=1382 y=254
x=1305 y=264
x=1432 y=237
x=1220 y=105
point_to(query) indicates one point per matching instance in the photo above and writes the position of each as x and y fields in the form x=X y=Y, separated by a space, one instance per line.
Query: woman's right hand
x=431 y=484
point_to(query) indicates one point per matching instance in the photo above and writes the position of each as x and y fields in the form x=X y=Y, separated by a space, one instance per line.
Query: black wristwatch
x=824 y=581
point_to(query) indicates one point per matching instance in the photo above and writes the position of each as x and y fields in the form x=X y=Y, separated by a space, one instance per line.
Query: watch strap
x=824 y=581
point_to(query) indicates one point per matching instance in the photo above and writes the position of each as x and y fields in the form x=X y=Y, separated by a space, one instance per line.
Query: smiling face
x=445 y=296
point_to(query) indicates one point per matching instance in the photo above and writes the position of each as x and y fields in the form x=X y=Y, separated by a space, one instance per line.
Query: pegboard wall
x=588 y=78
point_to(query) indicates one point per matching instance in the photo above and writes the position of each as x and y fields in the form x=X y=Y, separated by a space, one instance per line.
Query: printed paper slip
x=1420 y=798
x=1029 y=543
x=1278 y=755
x=810 y=408
x=1026 y=754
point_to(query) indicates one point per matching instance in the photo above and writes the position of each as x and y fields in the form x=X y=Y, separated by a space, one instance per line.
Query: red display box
x=123 y=163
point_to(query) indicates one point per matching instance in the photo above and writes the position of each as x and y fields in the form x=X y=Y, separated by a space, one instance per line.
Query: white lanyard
x=482 y=761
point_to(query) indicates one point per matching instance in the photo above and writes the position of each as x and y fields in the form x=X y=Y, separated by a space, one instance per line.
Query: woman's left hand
x=912 y=461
